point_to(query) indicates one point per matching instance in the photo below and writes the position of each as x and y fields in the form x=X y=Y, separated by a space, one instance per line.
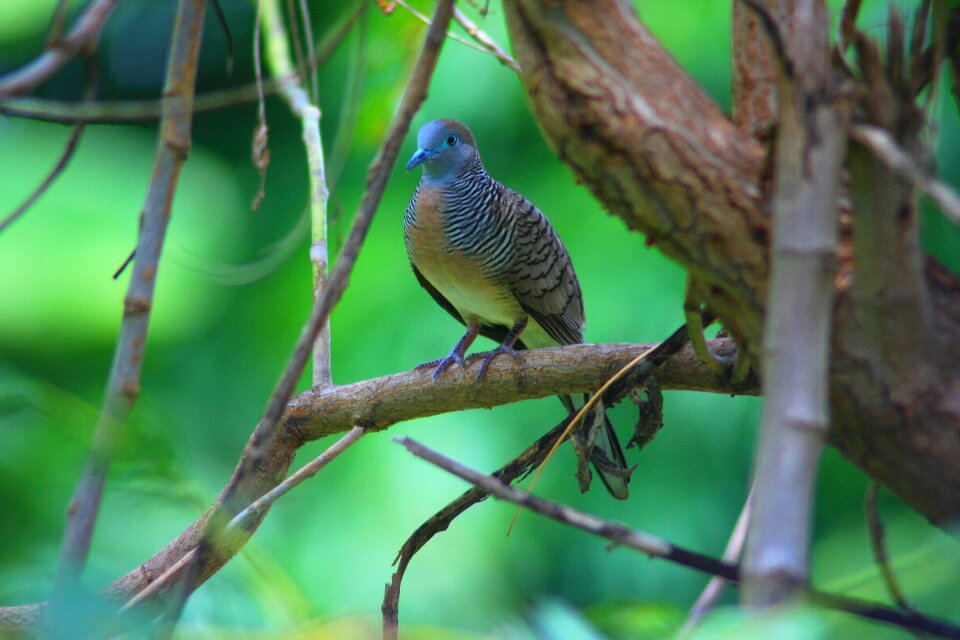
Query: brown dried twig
x=85 y=30
x=123 y=386
x=714 y=589
x=139 y=110
x=258 y=448
x=381 y=402
x=623 y=536
x=878 y=545
x=252 y=513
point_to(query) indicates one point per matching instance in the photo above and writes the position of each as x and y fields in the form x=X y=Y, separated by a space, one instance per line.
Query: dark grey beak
x=418 y=158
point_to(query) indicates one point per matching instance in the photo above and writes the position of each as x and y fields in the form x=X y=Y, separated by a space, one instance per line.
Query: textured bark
x=754 y=85
x=660 y=155
x=650 y=144
x=382 y=402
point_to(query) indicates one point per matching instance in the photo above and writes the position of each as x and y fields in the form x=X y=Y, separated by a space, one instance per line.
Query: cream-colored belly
x=480 y=301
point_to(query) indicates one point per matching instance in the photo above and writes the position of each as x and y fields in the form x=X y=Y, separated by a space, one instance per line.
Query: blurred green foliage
x=219 y=342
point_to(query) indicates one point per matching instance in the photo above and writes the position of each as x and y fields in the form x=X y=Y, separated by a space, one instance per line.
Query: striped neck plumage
x=444 y=175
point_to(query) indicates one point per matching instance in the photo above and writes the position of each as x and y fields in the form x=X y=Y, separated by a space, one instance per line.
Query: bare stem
x=58 y=52
x=714 y=589
x=300 y=103
x=624 y=536
x=796 y=346
x=137 y=110
x=258 y=448
x=123 y=386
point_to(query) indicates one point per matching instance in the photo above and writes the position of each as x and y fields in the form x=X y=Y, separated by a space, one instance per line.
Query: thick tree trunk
x=658 y=153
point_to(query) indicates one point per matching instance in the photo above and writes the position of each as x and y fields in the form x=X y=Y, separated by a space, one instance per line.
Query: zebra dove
x=493 y=261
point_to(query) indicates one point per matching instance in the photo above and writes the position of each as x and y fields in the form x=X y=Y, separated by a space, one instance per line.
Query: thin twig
x=879 y=547
x=90 y=69
x=62 y=163
x=85 y=30
x=297 y=40
x=123 y=386
x=382 y=402
x=486 y=42
x=487 y=45
x=227 y=34
x=616 y=386
x=138 y=110
x=243 y=521
x=260 y=146
x=258 y=447
x=58 y=23
x=624 y=536
x=308 y=32
x=882 y=145
x=520 y=466
x=278 y=56
x=714 y=589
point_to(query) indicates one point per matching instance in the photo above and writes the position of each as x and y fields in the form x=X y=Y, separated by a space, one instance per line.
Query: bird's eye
x=452 y=140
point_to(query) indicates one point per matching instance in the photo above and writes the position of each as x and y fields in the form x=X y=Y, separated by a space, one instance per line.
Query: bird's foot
x=455 y=355
x=442 y=364
x=493 y=353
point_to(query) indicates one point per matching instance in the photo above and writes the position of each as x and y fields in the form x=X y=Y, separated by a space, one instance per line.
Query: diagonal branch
x=882 y=145
x=258 y=453
x=111 y=112
x=71 y=147
x=59 y=52
x=404 y=396
x=621 y=535
x=123 y=386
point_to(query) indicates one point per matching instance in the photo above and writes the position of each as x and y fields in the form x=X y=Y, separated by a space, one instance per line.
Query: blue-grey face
x=444 y=147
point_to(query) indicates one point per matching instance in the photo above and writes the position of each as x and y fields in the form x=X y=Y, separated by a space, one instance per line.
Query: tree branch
x=650 y=145
x=259 y=450
x=404 y=396
x=660 y=155
x=112 y=112
x=621 y=535
x=281 y=66
x=59 y=52
x=123 y=386
x=811 y=146
x=538 y=373
x=754 y=86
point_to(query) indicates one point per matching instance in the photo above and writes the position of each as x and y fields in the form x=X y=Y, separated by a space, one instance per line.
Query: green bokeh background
x=218 y=343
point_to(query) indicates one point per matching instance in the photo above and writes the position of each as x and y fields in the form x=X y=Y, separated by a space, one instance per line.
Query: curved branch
x=405 y=396
x=650 y=145
x=123 y=386
x=59 y=52
x=660 y=155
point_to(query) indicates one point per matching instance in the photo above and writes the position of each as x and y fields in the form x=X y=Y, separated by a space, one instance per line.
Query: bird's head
x=444 y=147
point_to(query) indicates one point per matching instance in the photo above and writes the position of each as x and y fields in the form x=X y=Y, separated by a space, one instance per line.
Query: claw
x=443 y=363
x=455 y=355
x=490 y=355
